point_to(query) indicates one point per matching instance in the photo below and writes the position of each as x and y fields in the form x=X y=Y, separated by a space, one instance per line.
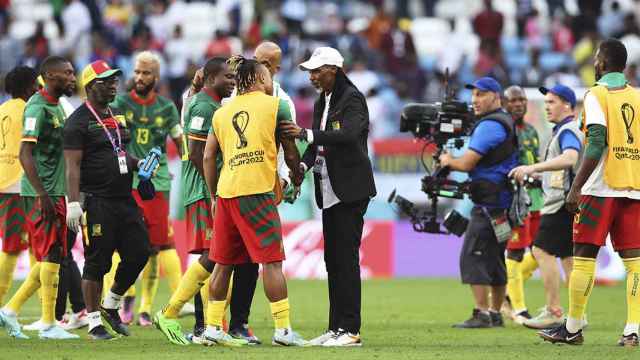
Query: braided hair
x=19 y=80
x=246 y=72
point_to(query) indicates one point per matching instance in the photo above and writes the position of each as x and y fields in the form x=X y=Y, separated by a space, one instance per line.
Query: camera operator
x=554 y=237
x=492 y=153
x=520 y=266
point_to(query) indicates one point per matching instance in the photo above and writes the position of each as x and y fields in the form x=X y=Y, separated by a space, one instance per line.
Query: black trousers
x=69 y=283
x=342 y=229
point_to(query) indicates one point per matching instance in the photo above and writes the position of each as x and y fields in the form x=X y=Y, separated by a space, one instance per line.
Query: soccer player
x=219 y=83
x=151 y=118
x=246 y=218
x=98 y=165
x=43 y=189
x=20 y=83
x=561 y=159
x=520 y=266
x=606 y=193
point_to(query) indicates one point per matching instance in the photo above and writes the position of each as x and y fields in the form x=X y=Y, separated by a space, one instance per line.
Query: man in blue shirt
x=555 y=234
x=492 y=154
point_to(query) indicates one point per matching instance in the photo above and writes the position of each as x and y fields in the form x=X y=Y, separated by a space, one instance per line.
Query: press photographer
x=491 y=155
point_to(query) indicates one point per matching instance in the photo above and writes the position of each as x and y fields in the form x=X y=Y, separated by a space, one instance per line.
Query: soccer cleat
x=478 y=320
x=37 y=325
x=196 y=336
x=521 y=317
x=545 y=320
x=343 y=339
x=55 y=332
x=496 y=319
x=126 y=316
x=112 y=321
x=10 y=322
x=220 y=337
x=76 y=321
x=628 y=340
x=170 y=328
x=187 y=309
x=144 y=319
x=100 y=333
x=245 y=333
x=318 y=341
x=560 y=334
x=288 y=338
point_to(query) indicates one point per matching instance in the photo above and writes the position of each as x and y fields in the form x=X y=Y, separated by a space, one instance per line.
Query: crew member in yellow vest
x=606 y=204
x=20 y=83
x=246 y=221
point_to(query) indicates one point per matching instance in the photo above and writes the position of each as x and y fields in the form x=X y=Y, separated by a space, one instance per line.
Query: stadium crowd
x=387 y=45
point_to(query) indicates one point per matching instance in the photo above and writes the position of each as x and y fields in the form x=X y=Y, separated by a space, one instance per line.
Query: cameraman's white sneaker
x=343 y=339
x=318 y=341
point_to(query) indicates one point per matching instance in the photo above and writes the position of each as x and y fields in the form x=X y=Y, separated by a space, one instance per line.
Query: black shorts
x=555 y=234
x=113 y=224
x=482 y=258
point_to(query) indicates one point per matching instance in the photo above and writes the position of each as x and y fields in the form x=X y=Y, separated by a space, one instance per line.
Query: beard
x=142 y=89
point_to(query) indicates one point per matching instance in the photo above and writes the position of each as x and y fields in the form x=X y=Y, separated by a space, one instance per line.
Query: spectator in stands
x=611 y=23
x=488 y=24
x=561 y=36
x=117 y=15
x=220 y=45
x=523 y=11
x=378 y=27
x=631 y=39
x=399 y=50
x=76 y=20
x=177 y=52
x=10 y=48
x=534 y=31
x=490 y=62
x=294 y=12
x=564 y=75
x=102 y=49
x=533 y=74
x=39 y=42
x=583 y=54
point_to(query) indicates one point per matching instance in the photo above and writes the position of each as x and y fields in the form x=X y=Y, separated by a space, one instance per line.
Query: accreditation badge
x=122 y=162
x=335 y=125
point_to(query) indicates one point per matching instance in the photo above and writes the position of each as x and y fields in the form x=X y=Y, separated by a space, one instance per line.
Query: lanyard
x=116 y=148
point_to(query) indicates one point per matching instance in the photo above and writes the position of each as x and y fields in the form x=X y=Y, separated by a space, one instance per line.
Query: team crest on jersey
x=335 y=125
x=96 y=230
x=208 y=234
x=159 y=121
x=129 y=115
x=56 y=122
x=144 y=119
x=121 y=120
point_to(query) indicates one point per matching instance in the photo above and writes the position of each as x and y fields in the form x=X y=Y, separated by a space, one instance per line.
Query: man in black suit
x=343 y=178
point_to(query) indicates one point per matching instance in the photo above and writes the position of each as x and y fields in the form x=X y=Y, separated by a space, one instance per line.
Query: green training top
x=529 y=149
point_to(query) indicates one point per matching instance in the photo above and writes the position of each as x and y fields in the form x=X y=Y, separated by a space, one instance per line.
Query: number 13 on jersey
x=142 y=136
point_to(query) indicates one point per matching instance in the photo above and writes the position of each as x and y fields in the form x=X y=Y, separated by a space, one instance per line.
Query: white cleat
x=343 y=339
x=318 y=341
x=288 y=337
x=76 y=321
x=35 y=326
x=187 y=309
x=55 y=332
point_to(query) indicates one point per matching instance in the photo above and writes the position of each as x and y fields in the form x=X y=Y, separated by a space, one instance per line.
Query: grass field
x=402 y=319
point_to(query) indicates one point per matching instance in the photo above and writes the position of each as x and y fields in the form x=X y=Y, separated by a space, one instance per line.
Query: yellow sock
x=109 y=278
x=229 y=290
x=49 y=285
x=580 y=286
x=515 y=285
x=204 y=294
x=191 y=282
x=170 y=263
x=528 y=266
x=280 y=313
x=32 y=260
x=26 y=290
x=7 y=266
x=215 y=312
x=633 y=290
x=149 y=284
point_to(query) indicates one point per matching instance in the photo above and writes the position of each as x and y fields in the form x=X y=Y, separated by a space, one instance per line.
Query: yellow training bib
x=11 y=113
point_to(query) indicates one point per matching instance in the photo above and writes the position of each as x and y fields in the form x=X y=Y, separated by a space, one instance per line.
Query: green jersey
x=529 y=147
x=197 y=122
x=43 y=125
x=149 y=121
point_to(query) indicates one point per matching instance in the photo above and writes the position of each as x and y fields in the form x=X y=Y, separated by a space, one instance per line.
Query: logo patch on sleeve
x=30 y=124
x=197 y=122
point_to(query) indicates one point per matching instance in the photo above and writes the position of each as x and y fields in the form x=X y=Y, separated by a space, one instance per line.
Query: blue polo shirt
x=487 y=136
x=567 y=139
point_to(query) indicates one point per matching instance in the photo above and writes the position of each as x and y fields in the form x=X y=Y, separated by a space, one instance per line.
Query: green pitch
x=402 y=319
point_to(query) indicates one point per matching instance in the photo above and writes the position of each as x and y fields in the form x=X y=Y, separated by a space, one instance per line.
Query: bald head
x=269 y=54
x=515 y=102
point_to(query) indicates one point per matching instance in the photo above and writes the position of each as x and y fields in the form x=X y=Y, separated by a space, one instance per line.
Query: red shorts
x=600 y=216
x=46 y=234
x=156 y=216
x=247 y=230
x=199 y=226
x=13 y=227
x=524 y=235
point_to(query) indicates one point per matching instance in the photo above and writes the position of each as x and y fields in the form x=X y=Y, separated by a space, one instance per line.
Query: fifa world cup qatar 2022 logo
x=240 y=121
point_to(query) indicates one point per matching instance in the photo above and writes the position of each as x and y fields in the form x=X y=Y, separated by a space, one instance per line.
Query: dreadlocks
x=246 y=72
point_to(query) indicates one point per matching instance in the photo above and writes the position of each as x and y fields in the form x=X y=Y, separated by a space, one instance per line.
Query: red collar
x=212 y=94
x=140 y=101
x=48 y=97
